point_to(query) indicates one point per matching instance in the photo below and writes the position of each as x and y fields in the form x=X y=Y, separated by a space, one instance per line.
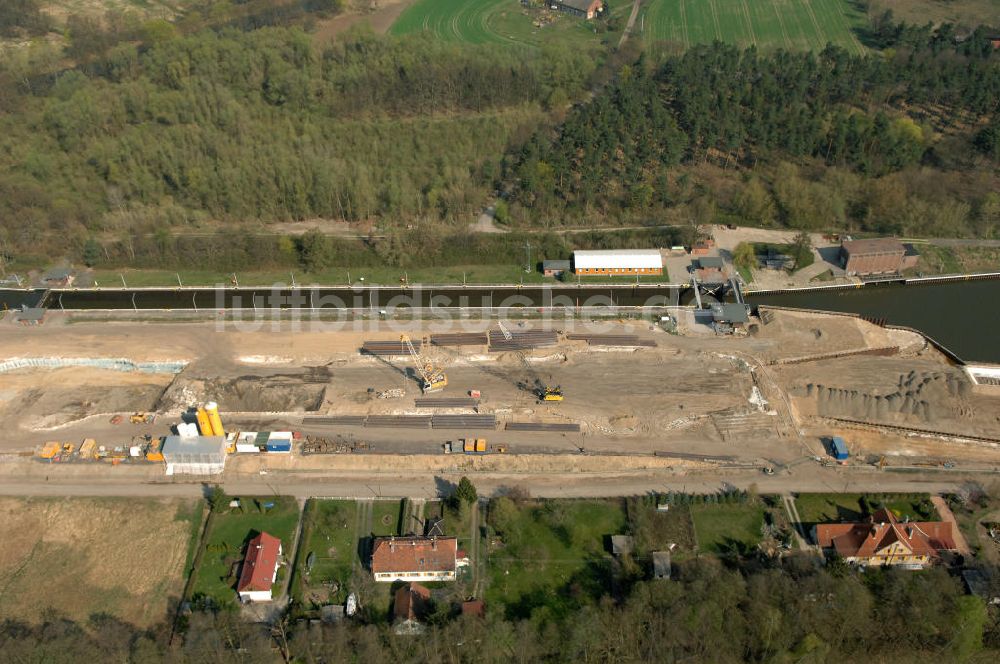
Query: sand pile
x=920 y=396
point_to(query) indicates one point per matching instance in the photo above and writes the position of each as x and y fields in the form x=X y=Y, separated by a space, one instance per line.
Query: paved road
x=422 y=485
x=956 y=242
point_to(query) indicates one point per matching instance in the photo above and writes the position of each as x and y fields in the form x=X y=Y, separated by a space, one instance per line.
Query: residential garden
x=234 y=522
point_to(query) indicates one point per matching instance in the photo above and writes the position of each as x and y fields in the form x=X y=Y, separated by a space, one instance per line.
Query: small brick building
x=876 y=256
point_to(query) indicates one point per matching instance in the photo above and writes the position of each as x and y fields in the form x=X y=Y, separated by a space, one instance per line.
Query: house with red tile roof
x=414 y=558
x=884 y=540
x=260 y=568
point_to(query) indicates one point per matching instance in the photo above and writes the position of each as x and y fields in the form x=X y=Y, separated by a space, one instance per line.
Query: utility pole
x=527 y=248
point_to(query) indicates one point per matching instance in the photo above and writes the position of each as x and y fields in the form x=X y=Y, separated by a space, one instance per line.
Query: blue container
x=839 y=449
x=279 y=446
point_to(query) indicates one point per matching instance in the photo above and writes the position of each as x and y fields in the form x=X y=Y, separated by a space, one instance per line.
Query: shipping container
x=839 y=449
x=279 y=446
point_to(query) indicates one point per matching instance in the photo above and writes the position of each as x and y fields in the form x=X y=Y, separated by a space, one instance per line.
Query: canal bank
x=959 y=312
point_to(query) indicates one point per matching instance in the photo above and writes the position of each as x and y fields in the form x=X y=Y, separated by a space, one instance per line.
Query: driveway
x=946 y=515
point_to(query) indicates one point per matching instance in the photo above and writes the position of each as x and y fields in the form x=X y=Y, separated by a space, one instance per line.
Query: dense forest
x=793 y=611
x=132 y=135
x=262 y=126
x=871 y=127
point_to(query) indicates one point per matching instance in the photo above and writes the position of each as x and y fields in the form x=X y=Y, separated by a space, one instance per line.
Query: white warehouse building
x=618 y=261
x=195 y=455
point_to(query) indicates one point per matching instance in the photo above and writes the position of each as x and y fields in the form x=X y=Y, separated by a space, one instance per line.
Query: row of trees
x=797 y=612
x=233 y=250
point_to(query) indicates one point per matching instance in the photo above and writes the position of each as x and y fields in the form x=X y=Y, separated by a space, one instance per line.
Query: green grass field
x=500 y=22
x=385 y=517
x=331 y=537
x=553 y=554
x=717 y=527
x=833 y=507
x=790 y=24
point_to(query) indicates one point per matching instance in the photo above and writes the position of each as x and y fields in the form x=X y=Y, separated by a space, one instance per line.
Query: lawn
x=454 y=274
x=330 y=536
x=789 y=24
x=953 y=260
x=194 y=515
x=504 y=22
x=718 y=527
x=337 y=276
x=551 y=554
x=385 y=517
x=816 y=508
x=231 y=529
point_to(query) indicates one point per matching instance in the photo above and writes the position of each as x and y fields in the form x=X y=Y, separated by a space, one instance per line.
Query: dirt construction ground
x=702 y=394
x=92 y=555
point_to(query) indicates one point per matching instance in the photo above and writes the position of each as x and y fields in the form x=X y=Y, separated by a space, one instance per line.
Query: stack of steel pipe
x=387 y=348
x=399 y=421
x=522 y=340
x=464 y=422
x=459 y=339
x=612 y=340
x=446 y=402
x=335 y=420
x=543 y=426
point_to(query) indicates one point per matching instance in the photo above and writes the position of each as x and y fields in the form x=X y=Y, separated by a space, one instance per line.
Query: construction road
x=806 y=478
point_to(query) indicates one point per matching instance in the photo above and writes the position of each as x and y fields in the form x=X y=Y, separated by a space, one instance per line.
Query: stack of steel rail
x=522 y=340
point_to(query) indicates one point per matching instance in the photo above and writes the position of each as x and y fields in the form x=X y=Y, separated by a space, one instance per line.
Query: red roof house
x=884 y=540
x=414 y=558
x=260 y=568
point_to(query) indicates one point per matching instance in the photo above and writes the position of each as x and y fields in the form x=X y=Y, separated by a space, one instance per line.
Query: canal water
x=367 y=297
x=964 y=316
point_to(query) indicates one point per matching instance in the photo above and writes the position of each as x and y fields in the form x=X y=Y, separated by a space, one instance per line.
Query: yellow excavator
x=433 y=378
x=537 y=386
